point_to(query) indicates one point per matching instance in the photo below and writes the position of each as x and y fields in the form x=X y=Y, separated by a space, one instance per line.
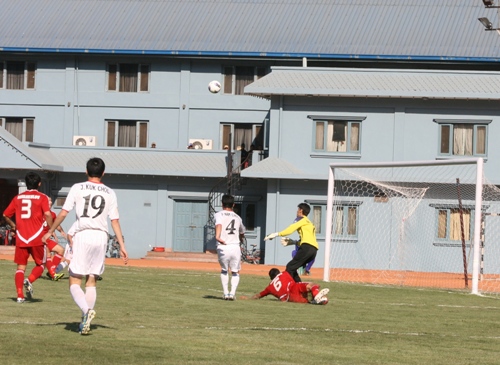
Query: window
x=17 y=75
x=337 y=134
x=237 y=77
x=128 y=77
x=21 y=128
x=345 y=219
x=235 y=134
x=127 y=133
x=449 y=223
x=247 y=213
x=462 y=138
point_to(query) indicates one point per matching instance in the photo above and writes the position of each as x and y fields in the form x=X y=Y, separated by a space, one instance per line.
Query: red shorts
x=51 y=244
x=298 y=293
x=22 y=254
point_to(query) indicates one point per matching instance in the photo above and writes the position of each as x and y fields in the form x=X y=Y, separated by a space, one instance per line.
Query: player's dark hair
x=95 y=167
x=227 y=201
x=32 y=180
x=306 y=209
x=273 y=273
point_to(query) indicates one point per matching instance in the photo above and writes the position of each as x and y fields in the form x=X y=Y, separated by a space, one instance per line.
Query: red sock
x=19 y=280
x=55 y=261
x=36 y=273
x=315 y=290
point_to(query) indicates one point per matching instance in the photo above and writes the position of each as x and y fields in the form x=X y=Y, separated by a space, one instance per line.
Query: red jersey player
x=31 y=211
x=284 y=287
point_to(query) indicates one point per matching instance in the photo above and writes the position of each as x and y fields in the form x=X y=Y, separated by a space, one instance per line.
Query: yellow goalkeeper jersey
x=306 y=230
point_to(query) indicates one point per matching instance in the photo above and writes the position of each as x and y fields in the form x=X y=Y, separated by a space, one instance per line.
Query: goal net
x=422 y=223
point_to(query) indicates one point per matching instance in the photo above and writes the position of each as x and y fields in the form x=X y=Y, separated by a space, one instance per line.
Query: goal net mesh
x=413 y=226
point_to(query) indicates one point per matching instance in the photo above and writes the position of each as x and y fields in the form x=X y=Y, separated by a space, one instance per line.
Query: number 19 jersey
x=93 y=204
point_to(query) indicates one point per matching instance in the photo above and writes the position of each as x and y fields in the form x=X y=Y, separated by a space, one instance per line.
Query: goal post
x=396 y=223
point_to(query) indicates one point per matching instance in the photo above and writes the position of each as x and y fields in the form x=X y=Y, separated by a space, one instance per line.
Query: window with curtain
x=128 y=77
x=17 y=75
x=345 y=219
x=463 y=139
x=236 y=134
x=337 y=135
x=237 y=77
x=127 y=133
x=21 y=128
x=449 y=223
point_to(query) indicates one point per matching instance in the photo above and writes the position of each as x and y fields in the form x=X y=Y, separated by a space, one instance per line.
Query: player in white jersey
x=93 y=203
x=229 y=231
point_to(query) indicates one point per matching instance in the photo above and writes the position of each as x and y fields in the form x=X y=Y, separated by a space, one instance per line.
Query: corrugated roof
x=376 y=29
x=189 y=163
x=279 y=168
x=378 y=83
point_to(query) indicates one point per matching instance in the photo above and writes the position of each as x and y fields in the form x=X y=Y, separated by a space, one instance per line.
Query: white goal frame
x=478 y=203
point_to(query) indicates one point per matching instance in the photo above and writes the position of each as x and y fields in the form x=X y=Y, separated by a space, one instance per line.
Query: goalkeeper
x=308 y=246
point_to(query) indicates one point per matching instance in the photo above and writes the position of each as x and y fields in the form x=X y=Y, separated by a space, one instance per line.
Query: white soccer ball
x=214 y=86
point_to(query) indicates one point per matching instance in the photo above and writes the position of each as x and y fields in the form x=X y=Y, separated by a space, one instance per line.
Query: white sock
x=91 y=296
x=225 y=282
x=235 y=280
x=79 y=297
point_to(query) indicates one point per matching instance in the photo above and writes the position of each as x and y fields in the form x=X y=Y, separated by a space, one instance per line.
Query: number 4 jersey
x=28 y=208
x=93 y=204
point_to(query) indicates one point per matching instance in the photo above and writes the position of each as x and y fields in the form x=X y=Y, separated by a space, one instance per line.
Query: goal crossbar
x=477 y=212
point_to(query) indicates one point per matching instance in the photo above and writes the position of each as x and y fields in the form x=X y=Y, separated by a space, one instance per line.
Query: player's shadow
x=212 y=297
x=74 y=326
x=27 y=301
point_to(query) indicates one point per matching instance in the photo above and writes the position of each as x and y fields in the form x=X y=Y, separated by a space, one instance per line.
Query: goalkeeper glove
x=271 y=236
x=285 y=241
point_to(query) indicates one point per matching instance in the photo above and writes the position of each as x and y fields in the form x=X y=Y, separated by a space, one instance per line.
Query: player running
x=32 y=213
x=283 y=287
x=93 y=203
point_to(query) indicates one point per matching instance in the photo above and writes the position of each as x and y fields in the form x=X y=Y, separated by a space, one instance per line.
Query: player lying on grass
x=283 y=287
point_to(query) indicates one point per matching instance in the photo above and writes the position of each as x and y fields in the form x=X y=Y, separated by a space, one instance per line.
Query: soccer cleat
x=225 y=297
x=20 y=300
x=87 y=319
x=58 y=276
x=321 y=294
x=231 y=297
x=49 y=276
x=29 y=288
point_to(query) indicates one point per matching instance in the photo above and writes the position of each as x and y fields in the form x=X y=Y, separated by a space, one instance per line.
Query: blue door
x=190 y=221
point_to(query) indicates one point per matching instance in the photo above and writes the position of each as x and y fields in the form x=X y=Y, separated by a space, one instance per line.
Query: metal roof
x=378 y=83
x=189 y=163
x=357 y=29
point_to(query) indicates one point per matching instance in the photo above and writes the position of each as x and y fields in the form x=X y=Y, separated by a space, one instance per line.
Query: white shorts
x=89 y=252
x=229 y=257
x=68 y=252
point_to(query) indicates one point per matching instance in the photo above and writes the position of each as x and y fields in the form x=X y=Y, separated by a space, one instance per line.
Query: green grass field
x=158 y=316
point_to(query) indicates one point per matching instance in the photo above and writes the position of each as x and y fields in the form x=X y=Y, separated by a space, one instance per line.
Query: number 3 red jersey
x=29 y=208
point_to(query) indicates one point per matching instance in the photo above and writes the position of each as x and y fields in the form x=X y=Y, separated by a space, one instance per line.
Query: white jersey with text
x=93 y=204
x=231 y=225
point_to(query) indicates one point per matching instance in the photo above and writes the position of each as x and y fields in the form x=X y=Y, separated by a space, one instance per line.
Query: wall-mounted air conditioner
x=84 y=140
x=201 y=144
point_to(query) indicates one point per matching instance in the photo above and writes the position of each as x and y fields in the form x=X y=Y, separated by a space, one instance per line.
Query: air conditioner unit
x=84 y=140
x=201 y=144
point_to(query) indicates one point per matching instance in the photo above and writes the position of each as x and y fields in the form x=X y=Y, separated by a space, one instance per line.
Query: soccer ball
x=214 y=86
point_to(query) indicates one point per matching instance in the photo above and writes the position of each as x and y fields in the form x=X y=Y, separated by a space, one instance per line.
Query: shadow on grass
x=74 y=326
x=27 y=301
x=212 y=297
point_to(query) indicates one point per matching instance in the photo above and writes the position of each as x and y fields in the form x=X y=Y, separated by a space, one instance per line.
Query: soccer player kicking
x=283 y=287
x=93 y=202
x=229 y=231
x=32 y=212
